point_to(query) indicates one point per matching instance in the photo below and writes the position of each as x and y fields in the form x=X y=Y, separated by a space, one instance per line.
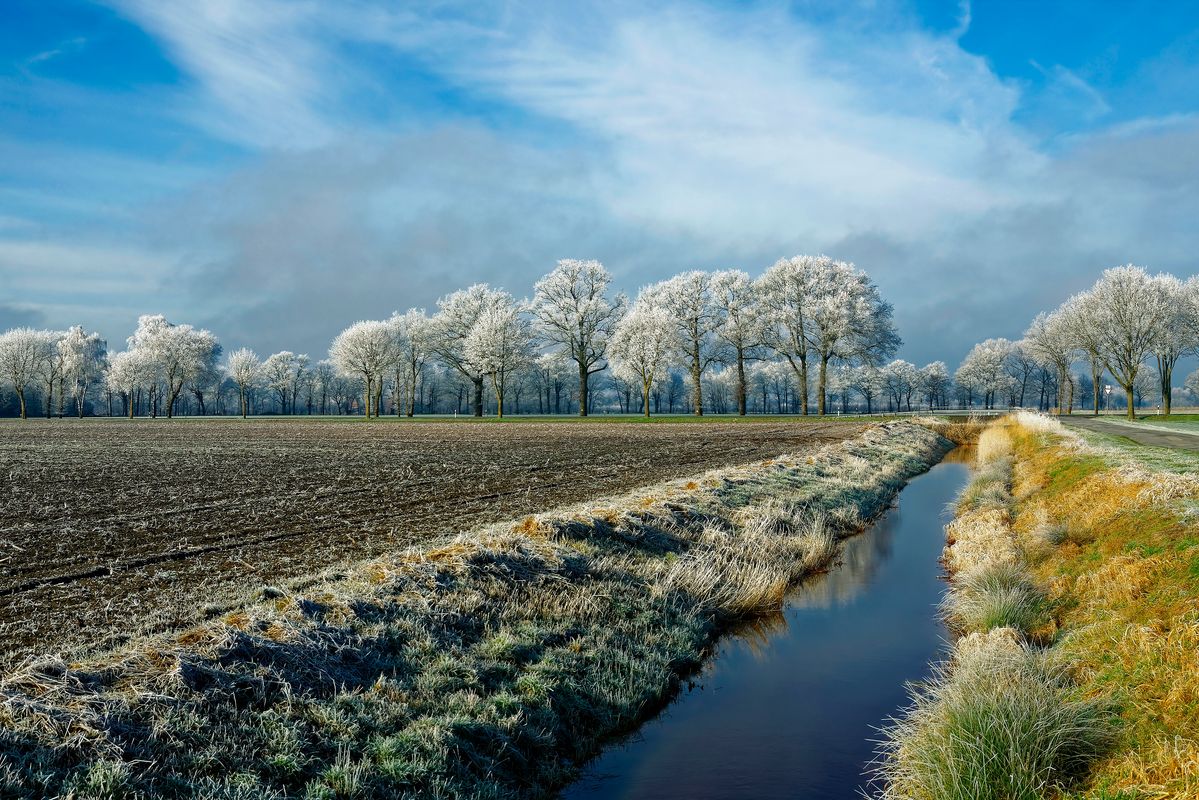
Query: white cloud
x=656 y=137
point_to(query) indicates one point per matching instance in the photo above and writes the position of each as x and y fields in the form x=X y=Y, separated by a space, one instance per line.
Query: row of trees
x=722 y=339
x=1130 y=324
x=808 y=310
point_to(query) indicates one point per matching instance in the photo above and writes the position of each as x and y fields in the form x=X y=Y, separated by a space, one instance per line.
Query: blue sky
x=275 y=170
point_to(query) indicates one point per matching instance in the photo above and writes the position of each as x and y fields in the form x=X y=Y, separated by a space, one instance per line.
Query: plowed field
x=109 y=528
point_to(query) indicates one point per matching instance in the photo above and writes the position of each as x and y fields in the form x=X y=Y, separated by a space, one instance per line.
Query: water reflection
x=788 y=706
x=860 y=558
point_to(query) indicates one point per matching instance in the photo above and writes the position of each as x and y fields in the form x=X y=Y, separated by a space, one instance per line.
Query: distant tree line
x=1130 y=326
x=811 y=334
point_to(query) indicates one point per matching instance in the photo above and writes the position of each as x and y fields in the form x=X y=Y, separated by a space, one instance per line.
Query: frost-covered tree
x=848 y=319
x=1178 y=333
x=456 y=316
x=1191 y=384
x=299 y=378
x=1128 y=311
x=245 y=368
x=840 y=385
x=867 y=380
x=934 y=383
x=1021 y=368
x=179 y=352
x=642 y=345
x=735 y=297
x=788 y=292
x=688 y=299
x=901 y=380
x=985 y=369
x=53 y=369
x=499 y=344
x=577 y=316
x=555 y=375
x=323 y=376
x=415 y=331
x=366 y=350
x=1051 y=340
x=277 y=372
x=127 y=373
x=23 y=353
x=84 y=356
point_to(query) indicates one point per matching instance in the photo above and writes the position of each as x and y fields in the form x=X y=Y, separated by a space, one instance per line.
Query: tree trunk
x=369 y=385
x=1095 y=388
x=697 y=391
x=499 y=396
x=1166 y=371
x=823 y=388
x=741 y=389
x=21 y=397
x=583 y=376
x=478 y=381
x=1128 y=393
x=803 y=384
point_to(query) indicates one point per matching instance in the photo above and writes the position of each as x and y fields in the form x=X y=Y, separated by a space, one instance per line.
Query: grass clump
x=1002 y=721
x=997 y=594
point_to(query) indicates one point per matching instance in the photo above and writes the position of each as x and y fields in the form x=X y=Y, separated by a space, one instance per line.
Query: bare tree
x=575 y=313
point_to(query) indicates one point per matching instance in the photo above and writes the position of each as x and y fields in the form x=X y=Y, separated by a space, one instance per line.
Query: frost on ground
x=93 y=552
x=486 y=665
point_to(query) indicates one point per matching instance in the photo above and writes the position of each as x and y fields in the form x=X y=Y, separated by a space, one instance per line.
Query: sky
x=277 y=169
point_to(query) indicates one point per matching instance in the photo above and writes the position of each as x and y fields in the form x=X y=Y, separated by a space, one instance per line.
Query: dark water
x=790 y=705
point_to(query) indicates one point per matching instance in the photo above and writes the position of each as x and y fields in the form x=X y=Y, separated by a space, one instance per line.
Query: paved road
x=1142 y=433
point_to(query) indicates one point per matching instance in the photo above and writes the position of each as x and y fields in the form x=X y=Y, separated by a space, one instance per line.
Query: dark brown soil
x=110 y=528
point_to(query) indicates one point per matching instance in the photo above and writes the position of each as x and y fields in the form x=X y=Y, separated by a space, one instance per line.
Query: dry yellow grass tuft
x=994 y=443
x=1166 y=768
x=1121 y=579
x=977 y=538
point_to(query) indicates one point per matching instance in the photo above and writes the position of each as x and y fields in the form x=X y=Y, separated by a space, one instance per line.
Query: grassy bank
x=1075 y=589
x=486 y=666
